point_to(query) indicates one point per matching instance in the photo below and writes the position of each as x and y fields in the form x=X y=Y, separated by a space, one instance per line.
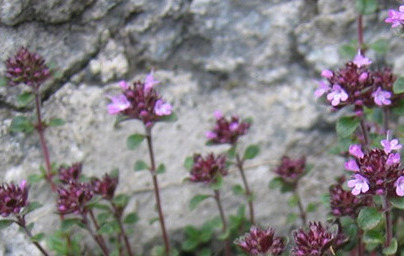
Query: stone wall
x=257 y=58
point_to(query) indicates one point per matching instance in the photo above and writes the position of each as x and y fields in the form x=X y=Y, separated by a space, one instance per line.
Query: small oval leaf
x=134 y=141
x=369 y=218
x=197 y=200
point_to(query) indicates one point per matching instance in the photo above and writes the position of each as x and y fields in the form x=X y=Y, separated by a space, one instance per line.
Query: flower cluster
x=208 y=169
x=316 y=240
x=105 y=187
x=227 y=131
x=261 y=242
x=26 y=67
x=13 y=198
x=140 y=101
x=73 y=198
x=377 y=171
x=291 y=170
x=356 y=85
x=344 y=203
x=70 y=174
x=396 y=18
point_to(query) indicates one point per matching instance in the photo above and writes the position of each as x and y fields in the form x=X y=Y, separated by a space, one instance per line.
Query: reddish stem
x=246 y=188
x=224 y=222
x=360 y=35
x=118 y=217
x=157 y=191
x=21 y=222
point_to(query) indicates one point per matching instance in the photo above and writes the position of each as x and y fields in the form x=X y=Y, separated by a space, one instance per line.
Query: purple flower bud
x=356 y=151
x=105 y=187
x=13 y=198
x=327 y=73
x=70 y=174
x=291 y=170
x=261 y=242
x=399 y=184
x=207 y=169
x=363 y=77
x=227 y=131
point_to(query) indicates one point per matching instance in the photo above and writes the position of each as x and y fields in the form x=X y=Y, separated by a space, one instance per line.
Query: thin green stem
x=389 y=226
x=301 y=208
x=157 y=191
x=224 y=222
x=247 y=190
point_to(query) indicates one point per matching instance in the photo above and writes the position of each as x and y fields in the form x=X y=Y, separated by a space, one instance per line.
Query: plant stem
x=118 y=217
x=157 y=190
x=97 y=228
x=247 y=190
x=389 y=226
x=223 y=218
x=386 y=114
x=96 y=237
x=301 y=208
x=364 y=133
x=360 y=34
x=21 y=222
x=40 y=128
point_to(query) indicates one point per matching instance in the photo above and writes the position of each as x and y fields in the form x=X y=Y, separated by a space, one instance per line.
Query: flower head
x=28 y=68
x=13 y=198
x=227 y=131
x=140 y=101
x=70 y=174
x=344 y=203
x=316 y=240
x=381 y=97
x=105 y=187
x=261 y=242
x=207 y=169
x=396 y=18
x=73 y=198
x=291 y=170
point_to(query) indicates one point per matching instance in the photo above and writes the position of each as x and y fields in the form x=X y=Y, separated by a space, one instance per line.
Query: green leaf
x=103 y=216
x=251 y=152
x=398 y=202
x=248 y=120
x=3 y=81
x=346 y=126
x=351 y=230
x=121 y=200
x=67 y=224
x=293 y=201
x=366 y=6
x=171 y=118
x=188 y=163
x=131 y=218
x=231 y=153
x=238 y=190
x=109 y=228
x=392 y=249
x=189 y=245
x=369 y=218
x=398 y=109
x=38 y=237
x=225 y=235
x=291 y=217
x=347 y=51
x=161 y=169
x=25 y=98
x=197 y=200
x=21 y=124
x=205 y=252
x=275 y=183
x=32 y=207
x=398 y=86
x=380 y=46
x=373 y=237
x=134 y=141
x=218 y=182
x=312 y=207
x=35 y=178
x=56 y=122
x=5 y=223
x=141 y=165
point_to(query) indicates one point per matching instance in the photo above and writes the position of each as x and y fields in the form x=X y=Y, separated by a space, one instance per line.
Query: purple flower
x=150 y=81
x=363 y=77
x=124 y=85
x=162 y=108
x=13 y=198
x=207 y=169
x=73 y=198
x=399 y=184
x=361 y=61
x=351 y=165
x=392 y=159
x=381 y=97
x=337 y=95
x=28 y=68
x=119 y=104
x=396 y=18
x=105 y=187
x=390 y=145
x=261 y=242
x=358 y=184
x=291 y=170
x=327 y=73
x=356 y=151
x=70 y=174
x=321 y=90
x=226 y=131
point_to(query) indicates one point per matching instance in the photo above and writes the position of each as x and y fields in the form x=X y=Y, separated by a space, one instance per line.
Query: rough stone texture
x=252 y=58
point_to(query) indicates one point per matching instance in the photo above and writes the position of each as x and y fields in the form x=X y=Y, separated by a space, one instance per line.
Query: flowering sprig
x=396 y=18
x=260 y=241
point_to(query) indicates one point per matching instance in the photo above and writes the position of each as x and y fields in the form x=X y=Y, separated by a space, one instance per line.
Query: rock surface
x=251 y=58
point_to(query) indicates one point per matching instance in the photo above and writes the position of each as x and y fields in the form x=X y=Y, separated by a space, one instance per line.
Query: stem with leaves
x=118 y=216
x=157 y=190
x=21 y=222
x=97 y=238
x=247 y=190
